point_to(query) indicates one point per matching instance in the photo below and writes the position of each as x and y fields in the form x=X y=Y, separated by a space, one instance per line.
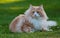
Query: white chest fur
x=36 y=24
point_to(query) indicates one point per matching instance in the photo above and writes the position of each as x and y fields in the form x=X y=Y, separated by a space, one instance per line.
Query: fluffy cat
x=38 y=18
x=32 y=20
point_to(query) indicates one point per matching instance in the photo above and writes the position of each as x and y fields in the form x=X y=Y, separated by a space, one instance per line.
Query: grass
x=10 y=10
x=32 y=35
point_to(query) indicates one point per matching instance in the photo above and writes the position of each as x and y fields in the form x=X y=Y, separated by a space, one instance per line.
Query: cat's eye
x=33 y=11
x=37 y=11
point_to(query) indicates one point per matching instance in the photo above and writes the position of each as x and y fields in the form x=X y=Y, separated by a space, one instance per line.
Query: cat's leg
x=27 y=29
x=12 y=25
x=46 y=29
x=32 y=30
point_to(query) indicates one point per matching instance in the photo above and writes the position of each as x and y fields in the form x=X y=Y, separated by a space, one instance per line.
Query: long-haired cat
x=38 y=18
x=32 y=20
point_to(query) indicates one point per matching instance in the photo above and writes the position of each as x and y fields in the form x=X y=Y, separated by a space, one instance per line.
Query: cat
x=32 y=20
x=38 y=18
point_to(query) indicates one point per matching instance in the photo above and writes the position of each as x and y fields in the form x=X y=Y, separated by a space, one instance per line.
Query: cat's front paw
x=46 y=29
x=32 y=30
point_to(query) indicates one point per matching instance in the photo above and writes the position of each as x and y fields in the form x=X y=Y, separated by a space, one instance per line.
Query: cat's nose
x=36 y=14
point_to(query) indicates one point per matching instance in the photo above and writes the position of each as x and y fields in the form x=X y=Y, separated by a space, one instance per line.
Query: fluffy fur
x=21 y=24
x=32 y=20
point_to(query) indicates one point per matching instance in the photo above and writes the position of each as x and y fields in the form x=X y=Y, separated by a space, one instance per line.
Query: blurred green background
x=9 y=9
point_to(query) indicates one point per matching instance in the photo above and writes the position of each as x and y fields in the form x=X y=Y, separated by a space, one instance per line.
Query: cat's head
x=36 y=12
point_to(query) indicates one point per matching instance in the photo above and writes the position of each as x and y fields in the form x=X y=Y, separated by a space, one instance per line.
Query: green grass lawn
x=10 y=10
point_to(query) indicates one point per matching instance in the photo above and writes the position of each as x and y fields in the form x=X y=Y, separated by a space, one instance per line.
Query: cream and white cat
x=32 y=20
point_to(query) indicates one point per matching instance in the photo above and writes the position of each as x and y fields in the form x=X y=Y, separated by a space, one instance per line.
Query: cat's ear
x=30 y=5
x=41 y=6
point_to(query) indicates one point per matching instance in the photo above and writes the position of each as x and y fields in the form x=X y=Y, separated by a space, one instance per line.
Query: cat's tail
x=52 y=23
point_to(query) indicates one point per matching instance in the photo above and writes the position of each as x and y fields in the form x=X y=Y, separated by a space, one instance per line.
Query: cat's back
x=15 y=22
